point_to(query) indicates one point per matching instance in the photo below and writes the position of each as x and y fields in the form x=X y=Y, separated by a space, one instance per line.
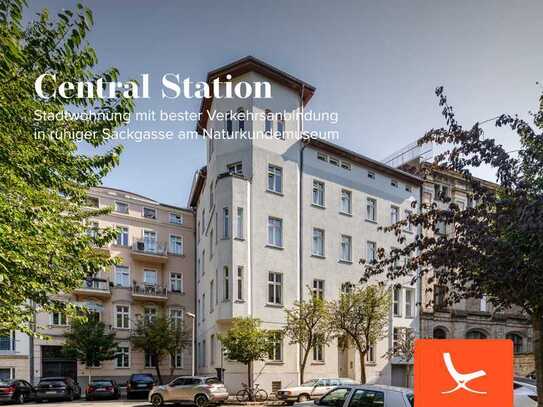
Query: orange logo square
x=466 y=373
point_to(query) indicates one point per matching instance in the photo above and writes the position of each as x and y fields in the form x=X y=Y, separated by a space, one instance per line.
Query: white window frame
x=172 y=218
x=240 y=214
x=371 y=251
x=226 y=282
x=346 y=199
x=275 y=231
x=171 y=247
x=316 y=248
x=397 y=302
x=239 y=283
x=343 y=240
x=123 y=314
x=127 y=268
x=121 y=242
x=235 y=168
x=394 y=214
x=318 y=288
x=371 y=209
x=176 y=279
x=128 y=359
x=409 y=305
x=319 y=189
x=276 y=353
x=151 y=209
x=275 y=179
x=226 y=223
x=122 y=203
x=275 y=285
x=62 y=319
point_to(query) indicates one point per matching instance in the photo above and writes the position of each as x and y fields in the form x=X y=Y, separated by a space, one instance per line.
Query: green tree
x=88 y=342
x=246 y=342
x=44 y=180
x=361 y=315
x=495 y=245
x=404 y=350
x=159 y=336
x=308 y=326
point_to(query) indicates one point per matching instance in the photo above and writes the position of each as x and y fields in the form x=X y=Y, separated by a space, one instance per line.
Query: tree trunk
x=537 y=323
x=408 y=374
x=303 y=363
x=250 y=380
x=362 y=366
x=90 y=374
x=159 y=376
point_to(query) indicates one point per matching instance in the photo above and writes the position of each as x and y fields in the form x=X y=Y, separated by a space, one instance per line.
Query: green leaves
x=245 y=341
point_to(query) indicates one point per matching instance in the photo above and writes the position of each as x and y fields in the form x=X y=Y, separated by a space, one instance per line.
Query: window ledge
x=272 y=246
x=318 y=206
x=318 y=363
x=176 y=255
x=225 y=238
x=344 y=261
x=274 y=362
x=371 y=221
x=240 y=239
x=318 y=256
x=350 y=215
x=275 y=192
x=371 y=363
x=271 y=305
x=239 y=301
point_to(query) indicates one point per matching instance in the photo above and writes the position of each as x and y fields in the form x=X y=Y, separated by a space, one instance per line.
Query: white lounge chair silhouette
x=461 y=379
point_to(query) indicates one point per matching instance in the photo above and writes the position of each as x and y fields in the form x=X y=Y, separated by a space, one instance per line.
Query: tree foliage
x=90 y=343
x=495 y=245
x=404 y=350
x=159 y=336
x=361 y=315
x=44 y=249
x=308 y=325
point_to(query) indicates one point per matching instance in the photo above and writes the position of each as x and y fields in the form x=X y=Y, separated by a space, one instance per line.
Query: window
x=483 y=306
x=239 y=223
x=122 y=237
x=150 y=360
x=371 y=252
x=211 y=195
x=122 y=276
x=334 y=161
x=371 y=209
x=226 y=277
x=322 y=157
x=441 y=228
x=396 y=338
x=318 y=350
x=176 y=282
x=92 y=202
x=371 y=175
x=409 y=303
x=7 y=342
x=176 y=218
x=275 y=288
x=211 y=244
x=268 y=125
x=408 y=188
x=347 y=287
x=149 y=241
x=122 y=357
x=318 y=289
x=275 y=179
x=204 y=351
x=203 y=307
x=280 y=126
x=122 y=317
x=275 y=232
x=149 y=213
x=236 y=168
x=318 y=193
x=439 y=333
x=346 y=252
x=228 y=124
x=367 y=398
x=318 y=242
x=225 y=223
x=149 y=277
x=240 y=283
x=517 y=342
x=211 y=294
x=176 y=245
x=177 y=361
x=409 y=226
x=346 y=201
x=370 y=355
x=58 y=319
x=397 y=302
x=176 y=315
x=204 y=225
x=149 y=313
x=394 y=183
x=212 y=349
x=394 y=215
x=276 y=347
x=440 y=297
x=476 y=334
x=441 y=192
x=335 y=397
x=121 y=207
x=241 y=120
x=346 y=166
x=92 y=229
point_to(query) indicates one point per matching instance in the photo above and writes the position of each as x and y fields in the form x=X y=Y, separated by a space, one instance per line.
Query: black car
x=16 y=391
x=57 y=388
x=140 y=384
x=102 y=389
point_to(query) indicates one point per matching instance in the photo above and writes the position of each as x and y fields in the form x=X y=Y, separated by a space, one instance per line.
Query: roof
x=198 y=183
x=252 y=64
x=362 y=160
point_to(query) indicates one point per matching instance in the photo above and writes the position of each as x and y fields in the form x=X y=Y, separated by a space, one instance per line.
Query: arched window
x=440 y=333
x=268 y=125
x=517 y=342
x=476 y=334
x=241 y=119
x=229 y=123
x=280 y=126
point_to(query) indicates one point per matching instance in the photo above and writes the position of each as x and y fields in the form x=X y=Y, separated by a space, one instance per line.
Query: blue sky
x=374 y=62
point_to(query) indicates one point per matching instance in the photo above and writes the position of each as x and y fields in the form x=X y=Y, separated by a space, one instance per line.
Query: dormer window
x=268 y=125
x=149 y=213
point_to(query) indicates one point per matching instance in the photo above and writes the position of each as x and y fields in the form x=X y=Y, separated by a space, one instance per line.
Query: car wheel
x=71 y=396
x=302 y=398
x=157 y=400
x=200 y=400
x=20 y=399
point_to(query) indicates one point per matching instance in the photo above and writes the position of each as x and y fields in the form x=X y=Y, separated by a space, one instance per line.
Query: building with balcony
x=155 y=274
x=280 y=219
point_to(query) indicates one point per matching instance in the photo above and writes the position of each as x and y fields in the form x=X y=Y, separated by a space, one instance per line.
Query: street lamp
x=191 y=315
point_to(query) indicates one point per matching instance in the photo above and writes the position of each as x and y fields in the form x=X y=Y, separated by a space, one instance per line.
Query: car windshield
x=142 y=378
x=102 y=383
x=310 y=383
x=213 y=380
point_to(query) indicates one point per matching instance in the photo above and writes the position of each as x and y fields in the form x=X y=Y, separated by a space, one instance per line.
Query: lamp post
x=193 y=317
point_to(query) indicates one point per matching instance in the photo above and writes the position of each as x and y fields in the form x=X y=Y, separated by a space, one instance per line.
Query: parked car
x=311 y=389
x=366 y=395
x=139 y=384
x=524 y=392
x=55 y=388
x=102 y=389
x=16 y=391
x=199 y=390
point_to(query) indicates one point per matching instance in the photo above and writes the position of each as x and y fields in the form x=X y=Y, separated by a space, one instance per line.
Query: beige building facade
x=155 y=275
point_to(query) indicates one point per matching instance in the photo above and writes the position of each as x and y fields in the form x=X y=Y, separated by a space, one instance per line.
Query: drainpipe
x=195 y=262
x=300 y=217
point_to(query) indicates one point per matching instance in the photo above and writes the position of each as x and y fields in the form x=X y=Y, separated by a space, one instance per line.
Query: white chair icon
x=461 y=380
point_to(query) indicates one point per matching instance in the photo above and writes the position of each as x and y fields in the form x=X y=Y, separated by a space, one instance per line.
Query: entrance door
x=55 y=364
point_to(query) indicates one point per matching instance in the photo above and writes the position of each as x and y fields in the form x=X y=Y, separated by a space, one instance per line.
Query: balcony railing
x=150 y=250
x=149 y=291
x=95 y=286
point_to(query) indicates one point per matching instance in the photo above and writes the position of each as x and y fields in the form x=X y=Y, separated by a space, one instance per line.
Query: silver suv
x=200 y=390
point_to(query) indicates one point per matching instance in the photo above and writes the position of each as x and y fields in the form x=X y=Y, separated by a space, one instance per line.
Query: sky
x=376 y=63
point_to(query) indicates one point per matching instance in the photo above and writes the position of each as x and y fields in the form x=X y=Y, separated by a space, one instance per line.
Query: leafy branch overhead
x=44 y=181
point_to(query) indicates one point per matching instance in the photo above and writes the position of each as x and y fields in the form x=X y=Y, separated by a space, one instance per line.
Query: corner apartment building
x=472 y=318
x=279 y=218
x=156 y=274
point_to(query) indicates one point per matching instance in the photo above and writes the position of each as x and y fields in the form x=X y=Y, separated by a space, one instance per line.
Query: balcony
x=95 y=287
x=148 y=292
x=150 y=251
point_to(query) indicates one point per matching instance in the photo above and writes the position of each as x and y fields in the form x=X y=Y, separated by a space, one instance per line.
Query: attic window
x=371 y=175
x=346 y=166
x=408 y=188
x=334 y=161
x=322 y=157
x=394 y=183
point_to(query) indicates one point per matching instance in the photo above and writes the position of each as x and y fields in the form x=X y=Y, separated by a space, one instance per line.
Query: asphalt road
x=84 y=403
